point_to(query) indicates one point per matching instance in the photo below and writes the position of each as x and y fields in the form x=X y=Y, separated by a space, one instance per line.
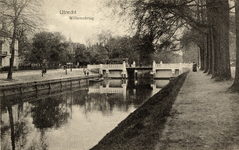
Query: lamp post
x=66 y=64
x=71 y=66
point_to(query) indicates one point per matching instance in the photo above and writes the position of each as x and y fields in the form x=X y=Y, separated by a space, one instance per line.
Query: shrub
x=6 y=68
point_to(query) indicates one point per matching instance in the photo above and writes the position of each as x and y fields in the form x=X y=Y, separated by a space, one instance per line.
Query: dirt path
x=204 y=116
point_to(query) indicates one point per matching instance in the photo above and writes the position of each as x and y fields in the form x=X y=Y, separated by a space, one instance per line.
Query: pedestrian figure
x=44 y=70
x=194 y=67
x=87 y=73
x=84 y=71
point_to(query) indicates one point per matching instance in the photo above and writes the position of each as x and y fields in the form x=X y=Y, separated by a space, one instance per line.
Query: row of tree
x=136 y=48
x=48 y=49
x=208 y=23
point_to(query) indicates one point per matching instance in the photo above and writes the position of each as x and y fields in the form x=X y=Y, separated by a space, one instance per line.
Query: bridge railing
x=121 y=66
x=94 y=90
x=167 y=65
x=112 y=90
x=92 y=66
x=106 y=66
x=187 y=65
x=176 y=65
x=112 y=66
x=106 y=90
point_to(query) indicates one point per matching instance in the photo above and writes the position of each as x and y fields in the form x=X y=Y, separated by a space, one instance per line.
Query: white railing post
x=124 y=73
x=173 y=70
x=124 y=91
x=180 y=68
x=107 y=73
x=153 y=69
x=133 y=65
x=124 y=66
x=100 y=69
x=154 y=66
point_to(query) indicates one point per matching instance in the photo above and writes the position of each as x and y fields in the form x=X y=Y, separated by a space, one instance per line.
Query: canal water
x=76 y=119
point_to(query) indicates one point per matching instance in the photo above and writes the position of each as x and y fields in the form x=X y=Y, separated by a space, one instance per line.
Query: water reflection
x=75 y=119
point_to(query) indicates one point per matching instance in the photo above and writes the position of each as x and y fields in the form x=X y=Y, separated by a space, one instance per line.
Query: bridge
x=156 y=70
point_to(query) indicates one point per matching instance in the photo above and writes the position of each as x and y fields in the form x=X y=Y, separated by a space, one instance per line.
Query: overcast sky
x=81 y=29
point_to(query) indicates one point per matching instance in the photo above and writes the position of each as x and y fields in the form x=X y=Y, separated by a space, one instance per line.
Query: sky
x=80 y=30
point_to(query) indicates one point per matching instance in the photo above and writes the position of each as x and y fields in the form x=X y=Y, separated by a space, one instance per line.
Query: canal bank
x=141 y=129
x=31 y=84
x=204 y=116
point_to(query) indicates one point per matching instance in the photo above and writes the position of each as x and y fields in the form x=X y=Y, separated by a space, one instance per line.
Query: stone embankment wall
x=37 y=88
x=142 y=129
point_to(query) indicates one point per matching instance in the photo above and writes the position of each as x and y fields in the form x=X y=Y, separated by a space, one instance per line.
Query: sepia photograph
x=119 y=74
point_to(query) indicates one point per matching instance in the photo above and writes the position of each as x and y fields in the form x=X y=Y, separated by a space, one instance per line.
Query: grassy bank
x=142 y=128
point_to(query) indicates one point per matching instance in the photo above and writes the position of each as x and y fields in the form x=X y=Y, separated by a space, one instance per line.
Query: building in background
x=5 y=47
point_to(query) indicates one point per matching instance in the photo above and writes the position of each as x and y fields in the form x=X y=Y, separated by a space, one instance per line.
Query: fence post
x=71 y=82
x=100 y=69
x=36 y=87
x=61 y=84
x=21 y=89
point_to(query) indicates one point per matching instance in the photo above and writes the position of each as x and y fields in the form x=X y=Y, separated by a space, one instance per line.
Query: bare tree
x=20 y=13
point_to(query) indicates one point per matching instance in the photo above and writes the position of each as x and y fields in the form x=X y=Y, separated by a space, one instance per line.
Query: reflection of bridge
x=111 y=86
x=157 y=70
x=121 y=86
x=108 y=89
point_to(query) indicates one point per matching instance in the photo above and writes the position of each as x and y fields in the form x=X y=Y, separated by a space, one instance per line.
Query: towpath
x=36 y=75
x=204 y=116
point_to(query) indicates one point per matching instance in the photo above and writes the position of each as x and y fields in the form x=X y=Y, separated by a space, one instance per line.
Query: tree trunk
x=212 y=51
x=219 y=16
x=216 y=56
x=9 y=76
x=213 y=36
x=202 y=19
x=210 y=42
x=202 y=58
x=235 y=85
x=206 y=59
x=224 y=70
x=209 y=46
